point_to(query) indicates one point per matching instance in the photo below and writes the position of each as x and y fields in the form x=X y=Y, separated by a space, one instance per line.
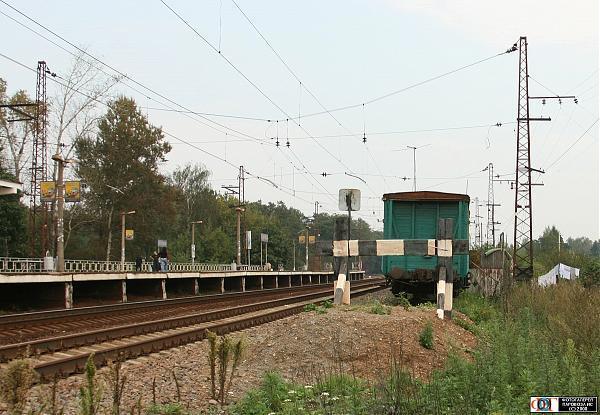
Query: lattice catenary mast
x=39 y=165
x=523 y=232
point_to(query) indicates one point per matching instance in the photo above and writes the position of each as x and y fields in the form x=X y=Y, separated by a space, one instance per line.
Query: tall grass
x=532 y=342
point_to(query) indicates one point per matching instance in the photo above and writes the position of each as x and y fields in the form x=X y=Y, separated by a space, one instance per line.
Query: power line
x=363 y=104
x=409 y=87
x=303 y=84
x=163 y=130
x=424 y=130
x=120 y=73
x=211 y=114
x=572 y=145
x=306 y=88
x=222 y=55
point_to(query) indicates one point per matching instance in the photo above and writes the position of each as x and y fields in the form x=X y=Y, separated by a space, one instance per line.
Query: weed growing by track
x=426 y=336
x=15 y=383
x=224 y=358
x=319 y=309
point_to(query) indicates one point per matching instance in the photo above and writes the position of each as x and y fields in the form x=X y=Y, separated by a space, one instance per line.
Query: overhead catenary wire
x=411 y=86
x=564 y=153
x=249 y=80
x=297 y=78
x=223 y=56
x=166 y=133
x=117 y=71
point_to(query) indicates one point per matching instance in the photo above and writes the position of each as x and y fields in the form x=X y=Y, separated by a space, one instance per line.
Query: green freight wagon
x=415 y=215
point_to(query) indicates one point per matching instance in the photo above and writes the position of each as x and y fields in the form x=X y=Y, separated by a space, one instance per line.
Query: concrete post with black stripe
x=340 y=264
x=445 y=282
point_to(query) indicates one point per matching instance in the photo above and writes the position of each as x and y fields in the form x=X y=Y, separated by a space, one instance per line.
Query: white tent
x=559 y=271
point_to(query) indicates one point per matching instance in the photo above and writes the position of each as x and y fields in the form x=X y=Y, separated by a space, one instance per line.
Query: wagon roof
x=426 y=196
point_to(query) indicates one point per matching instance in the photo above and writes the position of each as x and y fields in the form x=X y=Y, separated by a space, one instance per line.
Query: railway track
x=21 y=328
x=67 y=353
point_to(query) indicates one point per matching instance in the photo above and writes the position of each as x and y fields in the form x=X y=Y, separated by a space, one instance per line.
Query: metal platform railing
x=11 y=265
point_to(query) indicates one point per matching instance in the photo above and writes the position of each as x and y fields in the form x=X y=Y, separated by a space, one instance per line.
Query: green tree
x=581 y=245
x=595 y=249
x=120 y=167
x=13 y=226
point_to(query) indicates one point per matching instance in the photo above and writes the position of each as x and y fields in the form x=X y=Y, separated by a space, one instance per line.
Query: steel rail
x=55 y=343
x=12 y=320
x=64 y=363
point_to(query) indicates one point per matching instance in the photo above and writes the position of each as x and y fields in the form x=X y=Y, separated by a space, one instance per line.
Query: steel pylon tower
x=523 y=236
x=39 y=165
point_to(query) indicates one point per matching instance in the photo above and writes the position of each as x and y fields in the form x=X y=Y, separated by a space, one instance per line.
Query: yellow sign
x=47 y=191
x=129 y=234
x=312 y=239
x=72 y=191
x=301 y=239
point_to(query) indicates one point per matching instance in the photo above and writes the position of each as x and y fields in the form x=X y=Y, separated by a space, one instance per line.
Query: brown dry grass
x=569 y=310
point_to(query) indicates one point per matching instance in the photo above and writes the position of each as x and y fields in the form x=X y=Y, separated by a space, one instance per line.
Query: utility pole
x=123 y=214
x=306 y=250
x=193 y=247
x=414 y=149
x=294 y=254
x=60 y=192
x=239 y=191
x=238 y=258
x=523 y=231
x=477 y=223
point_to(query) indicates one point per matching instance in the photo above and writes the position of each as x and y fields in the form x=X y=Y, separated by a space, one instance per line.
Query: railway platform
x=51 y=290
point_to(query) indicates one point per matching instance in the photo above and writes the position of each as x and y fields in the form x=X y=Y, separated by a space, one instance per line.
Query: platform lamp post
x=60 y=211
x=306 y=250
x=238 y=256
x=194 y=223
x=123 y=214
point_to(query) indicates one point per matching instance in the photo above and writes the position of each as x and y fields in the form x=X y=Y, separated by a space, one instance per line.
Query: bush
x=426 y=336
x=590 y=273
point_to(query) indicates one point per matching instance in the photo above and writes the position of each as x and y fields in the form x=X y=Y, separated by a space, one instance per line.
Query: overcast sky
x=347 y=53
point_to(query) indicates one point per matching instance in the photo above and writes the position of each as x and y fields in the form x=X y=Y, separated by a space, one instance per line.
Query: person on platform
x=138 y=264
x=155 y=263
x=163 y=257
